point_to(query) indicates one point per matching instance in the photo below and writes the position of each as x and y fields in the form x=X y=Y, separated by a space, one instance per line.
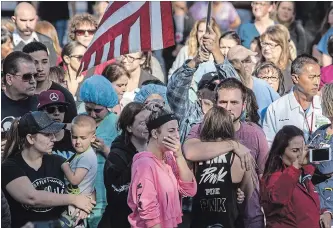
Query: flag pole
x=209 y=14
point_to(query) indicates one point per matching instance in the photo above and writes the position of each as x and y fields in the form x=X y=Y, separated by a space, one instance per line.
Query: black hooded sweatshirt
x=117 y=178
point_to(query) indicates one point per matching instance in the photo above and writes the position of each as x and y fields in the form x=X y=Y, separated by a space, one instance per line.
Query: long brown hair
x=280 y=143
x=217 y=125
x=193 y=42
x=279 y=36
x=15 y=143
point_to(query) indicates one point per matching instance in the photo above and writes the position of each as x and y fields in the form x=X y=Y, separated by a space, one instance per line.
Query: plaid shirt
x=190 y=113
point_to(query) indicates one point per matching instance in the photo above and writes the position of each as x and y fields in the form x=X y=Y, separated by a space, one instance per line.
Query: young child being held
x=81 y=169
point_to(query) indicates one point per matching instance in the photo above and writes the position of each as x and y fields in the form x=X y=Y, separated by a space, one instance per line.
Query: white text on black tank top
x=210 y=174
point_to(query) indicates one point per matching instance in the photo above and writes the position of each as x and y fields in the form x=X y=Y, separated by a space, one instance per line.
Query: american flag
x=128 y=27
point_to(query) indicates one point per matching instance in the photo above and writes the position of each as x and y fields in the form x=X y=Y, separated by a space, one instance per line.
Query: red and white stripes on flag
x=128 y=27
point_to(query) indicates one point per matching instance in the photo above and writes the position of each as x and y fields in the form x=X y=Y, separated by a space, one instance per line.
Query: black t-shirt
x=64 y=147
x=49 y=177
x=11 y=109
x=71 y=111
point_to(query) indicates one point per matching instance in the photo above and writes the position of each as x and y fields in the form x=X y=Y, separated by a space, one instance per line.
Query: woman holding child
x=32 y=179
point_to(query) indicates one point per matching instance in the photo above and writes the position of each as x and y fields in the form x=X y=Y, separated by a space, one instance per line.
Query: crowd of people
x=212 y=132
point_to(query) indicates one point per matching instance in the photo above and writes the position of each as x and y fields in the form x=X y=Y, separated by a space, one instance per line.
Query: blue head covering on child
x=150 y=89
x=98 y=90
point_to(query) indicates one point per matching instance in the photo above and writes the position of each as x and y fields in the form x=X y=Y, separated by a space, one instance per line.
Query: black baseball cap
x=38 y=122
x=207 y=78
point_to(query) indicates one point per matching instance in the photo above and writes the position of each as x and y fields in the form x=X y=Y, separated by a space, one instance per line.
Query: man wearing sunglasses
x=25 y=19
x=19 y=96
x=53 y=103
x=38 y=52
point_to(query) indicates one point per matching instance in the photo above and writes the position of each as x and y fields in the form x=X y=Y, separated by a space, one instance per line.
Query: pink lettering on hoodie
x=154 y=193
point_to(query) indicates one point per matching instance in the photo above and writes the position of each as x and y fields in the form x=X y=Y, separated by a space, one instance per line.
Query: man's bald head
x=25 y=19
x=24 y=7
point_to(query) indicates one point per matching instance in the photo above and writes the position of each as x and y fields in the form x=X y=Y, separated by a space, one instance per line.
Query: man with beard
x=38 y=52
x=231 y=95
x=264 y=93
x=19 y=96
x=25 y=19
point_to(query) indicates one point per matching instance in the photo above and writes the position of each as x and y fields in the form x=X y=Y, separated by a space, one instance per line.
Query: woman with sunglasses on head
x=32 y=179
x=52 y=102
x=71 y=55
x=160 y=175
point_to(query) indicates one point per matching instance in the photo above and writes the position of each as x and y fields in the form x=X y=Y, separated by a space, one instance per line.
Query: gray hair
x=302 y=60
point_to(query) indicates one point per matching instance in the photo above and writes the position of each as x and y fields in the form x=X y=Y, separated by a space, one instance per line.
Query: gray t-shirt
x=86 y=160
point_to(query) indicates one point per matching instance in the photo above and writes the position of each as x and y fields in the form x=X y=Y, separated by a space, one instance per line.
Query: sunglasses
x=96 y=110
x=28 y=76
x=81 y=32
x=52 y=109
